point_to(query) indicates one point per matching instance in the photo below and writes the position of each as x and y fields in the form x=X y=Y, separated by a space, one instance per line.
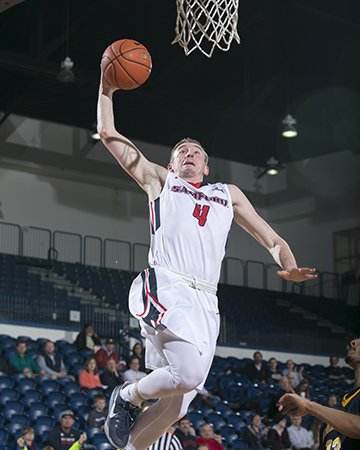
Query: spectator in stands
x=342 y=423
x=285 y=388
x=64 y=436
x=51 y=362
x=106 y=352
x=257 y=371
x=97 y=415
x=334 y=372
x=299 y=436
x=291 y=376
x=256 y=433
x=207 y=437
x=291 y=367
x=331 y=400
x=111 y=377
x=303 y=389
x=20 y=362
x=186 y=434
x=87 y=339
x=138 y=351
x=278 y=437
x=27 y=440
x=89 y=377
x=4 y=367
x=134 y=373
x=275 y=374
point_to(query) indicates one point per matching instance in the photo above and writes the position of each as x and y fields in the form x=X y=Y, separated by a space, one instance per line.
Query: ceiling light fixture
x=289 y=130
x=272 y=168
x=66 y=75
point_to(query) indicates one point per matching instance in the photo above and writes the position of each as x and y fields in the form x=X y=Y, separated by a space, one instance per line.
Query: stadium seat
x=77 y=400
x=91 y=432
x=42 y=430
x=31 y=396
x=36 y=410
x=54 y=398
x=44 y=420
x=49 y=386
x=17 y=422
x=7 y=395
x=71 y=388
x=11 y=408
x=5 y=382
x=24 y=385
x=103 y=446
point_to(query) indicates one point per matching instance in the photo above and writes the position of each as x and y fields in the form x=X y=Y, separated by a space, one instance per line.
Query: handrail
x=98 y=239
x=127 y=244
x=246 y=272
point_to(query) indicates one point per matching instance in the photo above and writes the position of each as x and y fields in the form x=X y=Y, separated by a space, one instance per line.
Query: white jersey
x=189 y=228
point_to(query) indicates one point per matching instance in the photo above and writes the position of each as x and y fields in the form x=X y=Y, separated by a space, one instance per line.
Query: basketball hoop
x=206 y=24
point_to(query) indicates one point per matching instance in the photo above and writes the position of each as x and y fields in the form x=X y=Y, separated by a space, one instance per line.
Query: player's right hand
x=293 y=405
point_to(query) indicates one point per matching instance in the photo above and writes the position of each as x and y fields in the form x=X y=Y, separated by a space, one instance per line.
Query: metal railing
x=119 y=254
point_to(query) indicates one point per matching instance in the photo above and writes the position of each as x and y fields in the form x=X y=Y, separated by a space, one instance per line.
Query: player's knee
x=189 y=380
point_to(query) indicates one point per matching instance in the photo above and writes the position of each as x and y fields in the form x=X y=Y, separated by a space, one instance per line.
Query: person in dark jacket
x=87 y=339
x=256 y=433
x=111 y=377
x=63 y=436
x=258 y=371
x=278 y=437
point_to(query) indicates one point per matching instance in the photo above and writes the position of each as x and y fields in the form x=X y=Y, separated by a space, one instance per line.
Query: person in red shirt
x=105 y=353
x=207 y=437
x=89 y=377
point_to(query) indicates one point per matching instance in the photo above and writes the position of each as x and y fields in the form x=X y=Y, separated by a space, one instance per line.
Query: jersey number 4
x=200 y=213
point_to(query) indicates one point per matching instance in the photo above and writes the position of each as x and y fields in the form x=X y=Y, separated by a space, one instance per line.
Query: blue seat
x=19 y=376
x=11 y=408
x=71 y=388
x=17 y=422
x=78 y=400
x=25 y=385
x=7 y=395
x=91 y=393
x=31 y=396
x=73 y=359
x=3 y=436
x=91 y=432
x=103 y=446
x=42 y=430
x=44 y=420
x=5 y=382
x=36 y=410
x=83 y=414
x=99 y=439
x=49 y=386
x=196 y=419
x=54 y=398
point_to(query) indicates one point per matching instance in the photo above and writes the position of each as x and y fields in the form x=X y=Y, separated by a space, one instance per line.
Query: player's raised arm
x=246 y=216
x=148 y=175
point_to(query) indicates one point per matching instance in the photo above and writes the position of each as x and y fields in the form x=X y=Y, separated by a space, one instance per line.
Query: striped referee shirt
x=168 y=441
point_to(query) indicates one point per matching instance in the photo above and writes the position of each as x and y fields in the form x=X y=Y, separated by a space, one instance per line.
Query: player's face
x=189 y=161
x=353 y=353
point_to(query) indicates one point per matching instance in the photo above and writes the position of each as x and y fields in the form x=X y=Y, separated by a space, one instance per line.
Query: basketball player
x=175 y=299
x=341 y=430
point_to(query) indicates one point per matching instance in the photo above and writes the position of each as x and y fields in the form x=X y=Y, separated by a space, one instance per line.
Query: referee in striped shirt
x=167 y=441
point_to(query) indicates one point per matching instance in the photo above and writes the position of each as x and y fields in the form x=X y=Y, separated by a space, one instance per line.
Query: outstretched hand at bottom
x=299 y=274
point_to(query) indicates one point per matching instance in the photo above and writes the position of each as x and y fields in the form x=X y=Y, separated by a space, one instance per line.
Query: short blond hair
x=184 y=141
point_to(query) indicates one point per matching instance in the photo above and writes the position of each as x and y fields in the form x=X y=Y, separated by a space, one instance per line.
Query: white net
x=206 y=24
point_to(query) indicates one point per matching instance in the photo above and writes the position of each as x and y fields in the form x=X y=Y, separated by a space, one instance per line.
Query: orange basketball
x=126 y=64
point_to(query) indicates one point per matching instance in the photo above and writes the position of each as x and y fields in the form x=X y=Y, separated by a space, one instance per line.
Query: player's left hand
x=298 y=274
x=293 y=405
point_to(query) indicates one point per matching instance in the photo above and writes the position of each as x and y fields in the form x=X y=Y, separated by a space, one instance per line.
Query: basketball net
x=206 y=24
